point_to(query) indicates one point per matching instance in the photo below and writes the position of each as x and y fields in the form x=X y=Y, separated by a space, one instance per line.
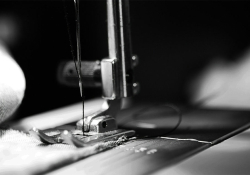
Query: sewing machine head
x=115 y=73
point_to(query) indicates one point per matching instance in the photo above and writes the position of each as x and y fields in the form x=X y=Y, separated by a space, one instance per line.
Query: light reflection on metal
x=119 y=64
x=116 y=71
x=78 y=139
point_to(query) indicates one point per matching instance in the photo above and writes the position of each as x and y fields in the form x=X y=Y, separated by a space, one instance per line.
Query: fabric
x=12 y=84
x=20 y=153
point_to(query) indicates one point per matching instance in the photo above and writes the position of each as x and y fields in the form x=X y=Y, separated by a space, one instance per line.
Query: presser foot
x=95 y=128
x=78 y=138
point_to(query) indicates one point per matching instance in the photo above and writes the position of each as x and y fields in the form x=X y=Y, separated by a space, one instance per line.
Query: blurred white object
x=9 y=29
x=12 y=84
x=223 y=84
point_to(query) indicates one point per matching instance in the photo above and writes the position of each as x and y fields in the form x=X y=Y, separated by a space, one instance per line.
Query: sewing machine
x=199 y=130
x=113 y=74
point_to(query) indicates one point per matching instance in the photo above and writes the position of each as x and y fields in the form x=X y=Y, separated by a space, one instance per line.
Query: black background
x=174 y=41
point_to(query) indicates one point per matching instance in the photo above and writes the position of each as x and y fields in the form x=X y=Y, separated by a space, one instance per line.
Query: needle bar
x=78 y=42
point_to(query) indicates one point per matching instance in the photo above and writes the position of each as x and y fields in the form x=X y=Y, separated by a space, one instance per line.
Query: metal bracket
x=102 y=120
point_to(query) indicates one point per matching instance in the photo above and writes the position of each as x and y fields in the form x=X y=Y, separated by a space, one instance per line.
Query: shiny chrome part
x=103 y=124
x=71 y=140
x=135 y=60
x=86 y=141
x=90 y=72
x=77 y=138
x=109 y=90
x=109 y=109
x=117 y=71
x=136 y=88
x=40 y=135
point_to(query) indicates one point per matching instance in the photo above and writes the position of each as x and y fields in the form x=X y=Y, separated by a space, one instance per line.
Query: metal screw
x=135 y=60
x=136 y=88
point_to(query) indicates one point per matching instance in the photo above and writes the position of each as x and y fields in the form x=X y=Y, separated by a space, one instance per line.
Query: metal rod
x=119 y=40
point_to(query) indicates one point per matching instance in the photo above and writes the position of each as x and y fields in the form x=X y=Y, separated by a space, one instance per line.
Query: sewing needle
x=78 y=43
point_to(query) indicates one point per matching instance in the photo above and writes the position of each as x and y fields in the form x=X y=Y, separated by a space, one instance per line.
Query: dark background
x=174 y=41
